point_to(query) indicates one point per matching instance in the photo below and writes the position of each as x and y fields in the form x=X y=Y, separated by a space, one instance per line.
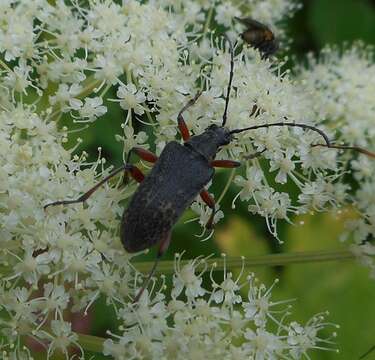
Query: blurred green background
x=342 y=288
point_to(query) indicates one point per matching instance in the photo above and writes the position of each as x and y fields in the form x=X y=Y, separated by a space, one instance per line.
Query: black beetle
x=259 y=36
x=179 y=175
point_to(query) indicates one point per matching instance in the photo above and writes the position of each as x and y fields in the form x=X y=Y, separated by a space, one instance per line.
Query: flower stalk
x=91 y=343
x=167 y=267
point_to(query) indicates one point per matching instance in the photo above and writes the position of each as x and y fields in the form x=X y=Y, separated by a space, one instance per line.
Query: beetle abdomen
x=176 y=179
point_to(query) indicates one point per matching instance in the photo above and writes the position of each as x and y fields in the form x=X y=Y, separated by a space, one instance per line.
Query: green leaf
x=337 y=21
x=343 y=288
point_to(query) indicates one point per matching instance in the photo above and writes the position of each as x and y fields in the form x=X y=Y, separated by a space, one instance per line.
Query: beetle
x=179 y=175
x=259 y=36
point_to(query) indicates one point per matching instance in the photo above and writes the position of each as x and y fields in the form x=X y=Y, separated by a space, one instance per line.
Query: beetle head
x=210 y=140
x=220 y=134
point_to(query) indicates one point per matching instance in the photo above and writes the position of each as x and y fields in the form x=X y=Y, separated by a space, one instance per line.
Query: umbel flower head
x=70 y=61
x=342 y=84
x=214 y=322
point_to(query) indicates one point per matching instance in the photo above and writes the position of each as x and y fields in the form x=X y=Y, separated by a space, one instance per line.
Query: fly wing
x=252 y=24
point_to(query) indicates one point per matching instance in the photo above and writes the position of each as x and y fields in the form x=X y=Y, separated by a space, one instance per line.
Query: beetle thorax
x=210 y=140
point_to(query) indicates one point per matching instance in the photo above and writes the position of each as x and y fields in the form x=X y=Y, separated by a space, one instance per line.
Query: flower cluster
x=60 y=252
x=213 y=323
x=80 y=54
x=342 y=84
x=69 y=61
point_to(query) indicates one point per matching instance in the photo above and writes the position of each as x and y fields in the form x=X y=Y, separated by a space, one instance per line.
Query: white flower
x=252 y=182
x=108 y=69
x=314 y=196
x=205 y=213
x=19 y=79
x=270 y=12
x=131 y=98
x=263 y=344
x=284 y=164
x=61 y=338
x=92 y=109
x=32 y=267
x=185 y=278
x=225 y=13
x=303 y=338
x=130 y=139
x=65 y=97
x=202 y=328
x=341 y=85
x=227 y=291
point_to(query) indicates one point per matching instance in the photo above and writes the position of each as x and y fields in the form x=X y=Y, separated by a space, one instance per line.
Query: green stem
x=166 y=267
x=91 y=343
x=149 y=116
x=5 y=66
x=89 y=88
x=208 y=21
x=230 y=179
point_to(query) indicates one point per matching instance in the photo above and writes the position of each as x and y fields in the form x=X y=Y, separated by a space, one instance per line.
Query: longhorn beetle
x=180 y=174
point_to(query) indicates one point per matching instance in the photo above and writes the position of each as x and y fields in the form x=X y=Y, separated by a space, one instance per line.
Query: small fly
x=259 y=36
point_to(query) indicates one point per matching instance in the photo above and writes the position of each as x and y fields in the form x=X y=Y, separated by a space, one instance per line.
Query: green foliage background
x=342 y=288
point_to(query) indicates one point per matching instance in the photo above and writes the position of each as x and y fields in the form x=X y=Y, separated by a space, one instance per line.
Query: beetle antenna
x=348 y=147
x=309 y=127
x=303 y=126
x=230 y=79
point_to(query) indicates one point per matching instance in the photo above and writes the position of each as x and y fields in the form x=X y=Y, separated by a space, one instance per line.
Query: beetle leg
x=225 y=163
x=232 y=163
x=163 y=246
x=181 y=122
x=209 y=200
x=133 y=171
x=143 y=154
